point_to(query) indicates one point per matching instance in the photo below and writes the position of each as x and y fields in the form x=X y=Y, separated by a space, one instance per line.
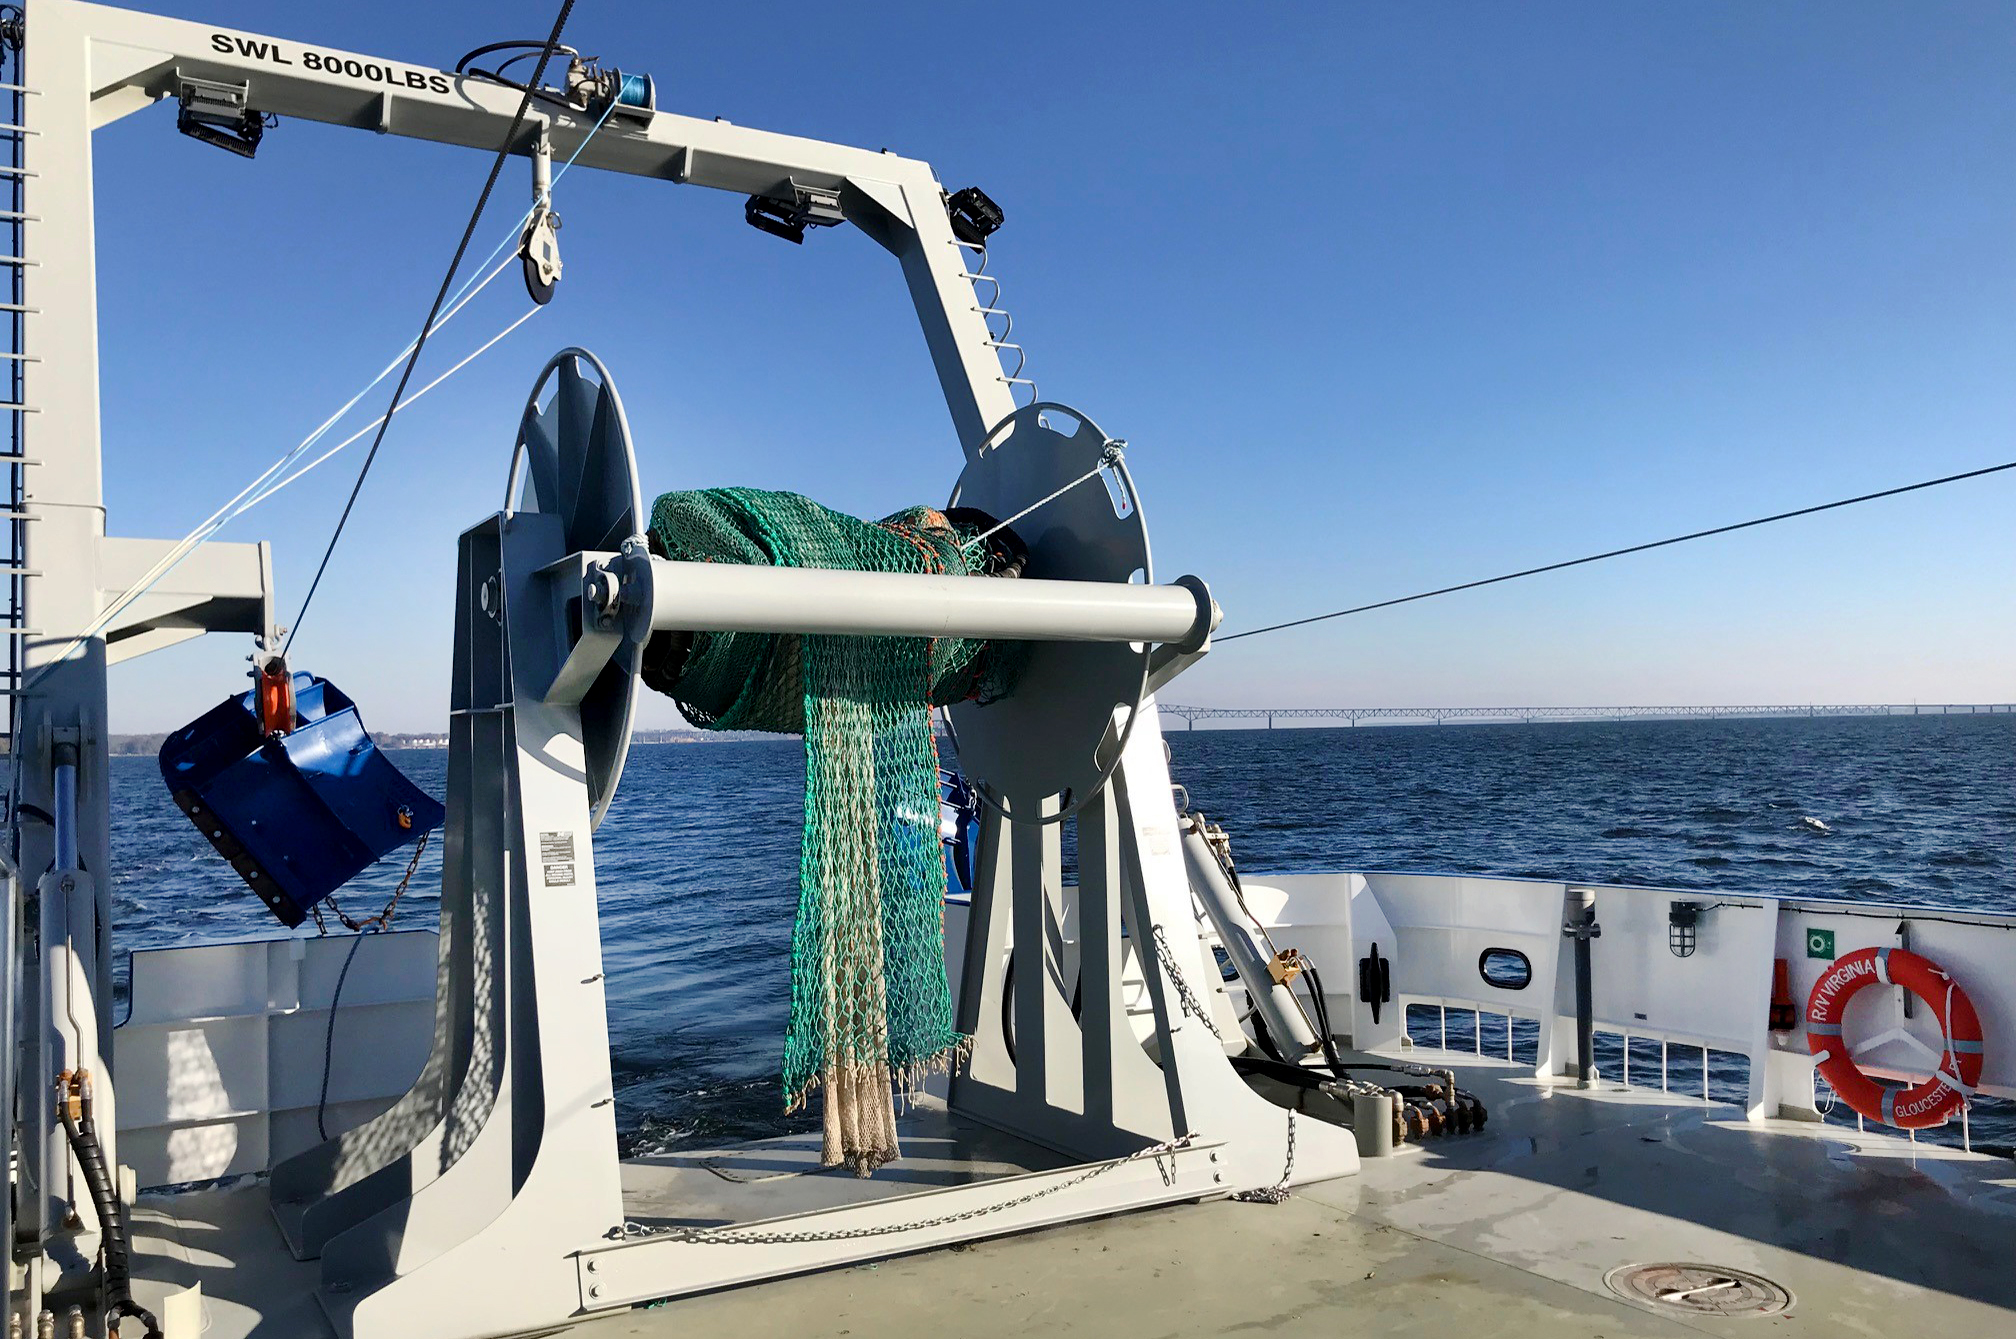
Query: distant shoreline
x=149 y=745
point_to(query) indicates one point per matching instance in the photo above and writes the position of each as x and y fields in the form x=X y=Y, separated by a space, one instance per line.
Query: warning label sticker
x=556 y=858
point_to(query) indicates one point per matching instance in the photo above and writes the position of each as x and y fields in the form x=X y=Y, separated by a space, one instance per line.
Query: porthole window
x=1505 y=968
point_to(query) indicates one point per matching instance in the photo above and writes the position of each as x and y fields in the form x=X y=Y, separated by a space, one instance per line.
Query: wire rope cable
x=478 y=352
x=440 y=298
x=262 y=488
x=516 y=231
x=379 y=924
x=329 y=1036
x=1619 y=553
x=264 y=485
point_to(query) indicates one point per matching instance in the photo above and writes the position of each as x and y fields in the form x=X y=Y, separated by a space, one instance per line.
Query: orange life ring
x=1937 y=1099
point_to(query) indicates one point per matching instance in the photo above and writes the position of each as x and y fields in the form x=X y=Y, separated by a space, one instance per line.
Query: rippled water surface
x=1917 y=809
x=698 y=857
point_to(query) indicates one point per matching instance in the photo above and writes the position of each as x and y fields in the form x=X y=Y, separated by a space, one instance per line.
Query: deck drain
x=1699 y=1290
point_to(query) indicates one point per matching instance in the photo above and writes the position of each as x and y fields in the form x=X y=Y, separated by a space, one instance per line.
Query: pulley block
x=539 y=251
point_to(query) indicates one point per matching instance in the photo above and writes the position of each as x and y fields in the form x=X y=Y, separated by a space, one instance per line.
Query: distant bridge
x=1532 y=715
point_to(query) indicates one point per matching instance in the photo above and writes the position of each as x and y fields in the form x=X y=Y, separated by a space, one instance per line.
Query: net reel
x=574 y=459
x=1047 y=469
x=1056 y=734
x=556 y=598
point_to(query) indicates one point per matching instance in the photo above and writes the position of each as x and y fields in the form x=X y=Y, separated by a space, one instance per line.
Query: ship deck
x=1509 y=1232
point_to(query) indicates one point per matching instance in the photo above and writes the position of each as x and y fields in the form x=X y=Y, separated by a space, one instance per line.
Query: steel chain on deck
x=733 y=1236
x=1278 y=1192
x=632 y=1230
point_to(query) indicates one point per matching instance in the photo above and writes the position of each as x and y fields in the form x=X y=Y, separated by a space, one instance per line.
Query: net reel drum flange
x=574 y=459
x=1056 y=734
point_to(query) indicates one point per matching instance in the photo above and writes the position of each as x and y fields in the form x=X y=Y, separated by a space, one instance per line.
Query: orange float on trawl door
x=1923 y=1105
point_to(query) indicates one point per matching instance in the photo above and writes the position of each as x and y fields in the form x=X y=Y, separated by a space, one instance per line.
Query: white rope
x=232 y=509
x=353 y=437
x=264 y=486
x=1105 y=459
x=545 y=197
x=476 y=285
x=1951 y=1080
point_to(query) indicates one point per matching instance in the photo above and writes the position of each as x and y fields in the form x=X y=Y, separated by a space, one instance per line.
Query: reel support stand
x=490 y=1198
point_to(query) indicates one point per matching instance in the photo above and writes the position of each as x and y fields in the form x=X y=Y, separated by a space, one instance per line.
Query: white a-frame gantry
x=514 y=1220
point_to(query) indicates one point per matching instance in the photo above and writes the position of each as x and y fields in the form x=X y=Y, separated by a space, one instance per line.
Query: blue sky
x=1383 y=297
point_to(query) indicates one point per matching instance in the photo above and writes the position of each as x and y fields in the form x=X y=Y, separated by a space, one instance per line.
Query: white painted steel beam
x=730 y=597
x=138 y=59
x=220 y=587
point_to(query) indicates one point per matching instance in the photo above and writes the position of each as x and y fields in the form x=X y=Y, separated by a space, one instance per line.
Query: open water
x=698 y=858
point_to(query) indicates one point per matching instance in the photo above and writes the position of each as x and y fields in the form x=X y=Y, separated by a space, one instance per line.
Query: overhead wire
x=475 y=284
x=263 y=487
x=1619 y=553
x=479 y=282
x=441 y=297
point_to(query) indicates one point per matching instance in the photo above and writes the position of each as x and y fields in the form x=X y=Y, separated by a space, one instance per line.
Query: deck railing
x=1681 y=989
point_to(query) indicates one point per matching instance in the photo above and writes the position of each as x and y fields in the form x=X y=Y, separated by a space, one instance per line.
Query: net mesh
x=871 y=1014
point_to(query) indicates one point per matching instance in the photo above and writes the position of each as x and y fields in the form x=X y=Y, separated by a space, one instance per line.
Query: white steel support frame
x=72 y=571
x=494 y=1215
x=87 y=66
x=491 y=1201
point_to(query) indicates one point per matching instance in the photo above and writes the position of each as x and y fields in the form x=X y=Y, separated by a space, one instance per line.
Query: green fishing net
x=870 y=1011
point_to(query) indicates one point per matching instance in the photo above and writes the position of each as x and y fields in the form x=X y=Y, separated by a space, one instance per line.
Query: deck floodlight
x=220 y=114
x=975 y=217
x=807 y=207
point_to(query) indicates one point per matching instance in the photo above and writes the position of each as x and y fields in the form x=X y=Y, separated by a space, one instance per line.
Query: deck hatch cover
x=1699 y=1290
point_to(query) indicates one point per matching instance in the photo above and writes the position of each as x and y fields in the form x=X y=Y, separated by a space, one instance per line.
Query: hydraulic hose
x=1325 y=1034
x=1419 y=1110
x=73 y=1108
x=1008 y=1004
